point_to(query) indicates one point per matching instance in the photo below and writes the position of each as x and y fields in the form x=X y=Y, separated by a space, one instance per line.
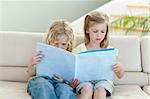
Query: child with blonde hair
x=60 y=35
x=96 y=27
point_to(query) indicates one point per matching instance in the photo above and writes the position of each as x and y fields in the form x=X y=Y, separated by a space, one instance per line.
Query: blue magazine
x=86 y=66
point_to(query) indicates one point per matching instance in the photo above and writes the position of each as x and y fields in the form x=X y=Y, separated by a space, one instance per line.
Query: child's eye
x=102 y=32
x=64 y=44
x=95 y=31
x=56 y=43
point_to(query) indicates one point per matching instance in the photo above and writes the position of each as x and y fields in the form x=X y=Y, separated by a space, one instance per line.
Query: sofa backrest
x=16 y=49
x=145 y=51
x=129 y=51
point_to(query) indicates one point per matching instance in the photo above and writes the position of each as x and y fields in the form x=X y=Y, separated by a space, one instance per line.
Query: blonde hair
x=96 y=18
x=58 y=28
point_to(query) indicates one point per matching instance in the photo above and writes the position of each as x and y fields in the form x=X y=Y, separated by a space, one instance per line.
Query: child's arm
x=35 y=59
x=117 y=68
x=31 y=70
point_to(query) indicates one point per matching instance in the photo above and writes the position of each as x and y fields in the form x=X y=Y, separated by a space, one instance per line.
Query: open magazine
x=85 y=66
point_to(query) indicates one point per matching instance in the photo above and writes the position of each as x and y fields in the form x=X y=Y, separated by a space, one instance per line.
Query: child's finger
x=37 y=60
x=115 y=70
x=39 y=52
x=115 y=66
x=55 y=78
x=75 y=81
x=39 y=56
x=56 y=75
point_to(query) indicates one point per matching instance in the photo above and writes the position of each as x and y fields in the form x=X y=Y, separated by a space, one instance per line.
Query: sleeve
x=79 y=48
x=76 y=50
x=35 y=68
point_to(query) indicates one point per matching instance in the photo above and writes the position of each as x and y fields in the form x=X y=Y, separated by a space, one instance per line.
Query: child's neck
x=93 y=46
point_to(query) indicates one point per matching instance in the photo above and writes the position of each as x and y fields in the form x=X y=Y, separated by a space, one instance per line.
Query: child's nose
x=98 y=34
x=60 y=46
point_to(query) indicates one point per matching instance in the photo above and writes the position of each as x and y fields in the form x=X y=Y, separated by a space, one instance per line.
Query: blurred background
x=127 y=17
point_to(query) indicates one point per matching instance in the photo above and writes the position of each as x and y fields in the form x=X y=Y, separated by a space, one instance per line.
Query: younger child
x=60 y=34
x=96 y=37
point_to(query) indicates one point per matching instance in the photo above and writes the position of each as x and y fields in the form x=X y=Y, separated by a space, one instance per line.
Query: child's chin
x=98 y=42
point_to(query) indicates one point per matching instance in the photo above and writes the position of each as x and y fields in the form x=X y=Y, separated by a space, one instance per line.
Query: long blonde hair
x=96 y=18
x=57 y=28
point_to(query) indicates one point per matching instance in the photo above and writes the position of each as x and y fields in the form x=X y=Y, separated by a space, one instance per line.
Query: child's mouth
x=98 y=39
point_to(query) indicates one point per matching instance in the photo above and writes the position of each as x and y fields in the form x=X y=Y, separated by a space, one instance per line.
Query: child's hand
x=58 y=78
x=36 y=58
x=117 y=68
x=74 y=83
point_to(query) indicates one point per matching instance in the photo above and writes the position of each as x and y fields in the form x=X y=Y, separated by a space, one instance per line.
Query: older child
x=60 y=34
x=96 y=37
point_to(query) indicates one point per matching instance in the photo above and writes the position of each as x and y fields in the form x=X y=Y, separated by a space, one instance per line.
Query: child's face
x=61 y=42
x=97 y=32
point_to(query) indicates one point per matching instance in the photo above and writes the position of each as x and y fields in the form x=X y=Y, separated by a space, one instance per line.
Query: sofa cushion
x=149 y=79
x=132 y=78
x=147 y=89
x=129 y=92
x=15 y=51
x=129 y=51
x=13 y=73
x=17 y=47
x=145 y=49
x=13 y=90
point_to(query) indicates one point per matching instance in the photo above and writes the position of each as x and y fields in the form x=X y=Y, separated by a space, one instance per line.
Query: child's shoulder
x=79 y=48
x=109 y=46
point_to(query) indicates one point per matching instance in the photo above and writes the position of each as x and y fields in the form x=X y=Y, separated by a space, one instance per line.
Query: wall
x=35 y=15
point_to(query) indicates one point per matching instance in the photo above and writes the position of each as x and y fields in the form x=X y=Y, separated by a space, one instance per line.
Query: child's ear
x=87 y=31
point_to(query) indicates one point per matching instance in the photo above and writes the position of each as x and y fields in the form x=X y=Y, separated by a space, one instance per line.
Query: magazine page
x=56 y=61
x=95 y=64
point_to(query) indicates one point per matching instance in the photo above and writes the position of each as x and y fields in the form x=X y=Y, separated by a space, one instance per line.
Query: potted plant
x=130 y=24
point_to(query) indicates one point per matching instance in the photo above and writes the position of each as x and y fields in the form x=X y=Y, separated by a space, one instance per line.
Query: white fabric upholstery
x=145 y=49
x=148 y=79
x=129 y=51
x=13 y=73
x=13 y=90
x=132 y=78
x=16 y=49
x=129 y=92
x=147 y=89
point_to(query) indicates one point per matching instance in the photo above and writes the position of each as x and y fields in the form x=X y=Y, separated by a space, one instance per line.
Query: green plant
x=132 y=23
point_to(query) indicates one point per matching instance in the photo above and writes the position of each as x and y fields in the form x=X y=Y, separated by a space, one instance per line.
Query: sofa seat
x=147 y=89
x=13 y=90
x=129 y=92
x=17 y=90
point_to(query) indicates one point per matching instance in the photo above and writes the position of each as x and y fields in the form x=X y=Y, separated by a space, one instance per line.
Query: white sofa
x=16 y=49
